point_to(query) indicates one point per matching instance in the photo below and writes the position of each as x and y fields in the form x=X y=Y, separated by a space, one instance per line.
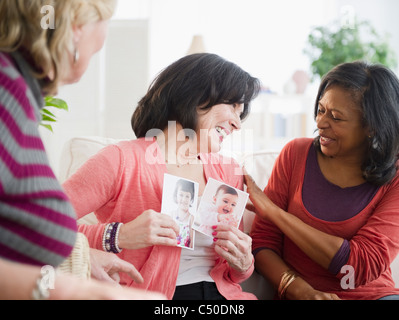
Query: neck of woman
x=177 y=148
x=341 y=172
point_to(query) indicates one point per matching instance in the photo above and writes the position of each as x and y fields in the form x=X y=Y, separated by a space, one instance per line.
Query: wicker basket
x=78 y=262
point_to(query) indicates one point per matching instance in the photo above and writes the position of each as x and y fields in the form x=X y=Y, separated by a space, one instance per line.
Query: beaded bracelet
x=110 y=237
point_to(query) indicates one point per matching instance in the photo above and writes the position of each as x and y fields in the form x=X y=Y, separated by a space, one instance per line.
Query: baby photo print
x=220 y=204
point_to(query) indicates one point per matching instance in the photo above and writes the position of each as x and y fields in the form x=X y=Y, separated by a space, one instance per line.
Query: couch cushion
x=77 y=151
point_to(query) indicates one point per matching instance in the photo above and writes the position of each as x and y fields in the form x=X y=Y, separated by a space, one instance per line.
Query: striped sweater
x=37 y=222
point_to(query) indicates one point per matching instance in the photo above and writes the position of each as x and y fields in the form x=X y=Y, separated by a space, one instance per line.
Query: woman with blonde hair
x=37 y=223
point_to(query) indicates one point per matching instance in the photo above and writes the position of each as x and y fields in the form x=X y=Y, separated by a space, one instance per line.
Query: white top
x=196 y=264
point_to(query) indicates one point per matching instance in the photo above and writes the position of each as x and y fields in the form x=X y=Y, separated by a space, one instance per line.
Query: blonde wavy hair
x=49 y=49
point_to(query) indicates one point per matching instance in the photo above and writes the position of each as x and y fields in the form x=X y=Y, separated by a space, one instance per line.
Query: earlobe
x=77 y=34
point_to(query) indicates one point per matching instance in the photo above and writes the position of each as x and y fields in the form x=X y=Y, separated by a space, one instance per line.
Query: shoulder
x=142 y=149
x=296 y=150
x=5 y=62
x=291 y=162
x=393 y=185
x=125 y=147
x=218 y=159
x=223 y=168
x=140 y=145
x=15 y=95
x=11 y=78
x=128 y=153
x=298 y=145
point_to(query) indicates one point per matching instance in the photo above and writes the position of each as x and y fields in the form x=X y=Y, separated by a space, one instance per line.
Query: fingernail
x=214 y=233
x=215 y=239
x=214 y=227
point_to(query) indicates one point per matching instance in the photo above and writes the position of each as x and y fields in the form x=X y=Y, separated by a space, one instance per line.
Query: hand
x=234 y=246
x=149 y=229
x=106 y=267
x=18 y=280
x=302 y=290
x=68 y=287
x=259 y=202
x=318 y=295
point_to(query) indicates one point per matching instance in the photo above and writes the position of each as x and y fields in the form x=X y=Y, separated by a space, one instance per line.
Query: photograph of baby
x=179 y=201
x=220 y=204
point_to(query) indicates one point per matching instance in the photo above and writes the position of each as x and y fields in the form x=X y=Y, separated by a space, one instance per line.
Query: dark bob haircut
x=376 y=89
x=185 y=186
x=195 y=81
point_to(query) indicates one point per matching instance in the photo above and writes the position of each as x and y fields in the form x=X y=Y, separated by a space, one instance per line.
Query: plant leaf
x=335 y=44
x=46 y=111
x=47 y=126
x=56 y=103
x=47 y=118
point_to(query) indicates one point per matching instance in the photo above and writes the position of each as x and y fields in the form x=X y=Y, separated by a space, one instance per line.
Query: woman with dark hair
x=180 y=123
x=199 y=81
x=327 y=224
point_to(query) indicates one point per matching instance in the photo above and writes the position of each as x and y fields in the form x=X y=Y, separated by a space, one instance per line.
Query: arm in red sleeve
x=376 y=245
x=265 y=235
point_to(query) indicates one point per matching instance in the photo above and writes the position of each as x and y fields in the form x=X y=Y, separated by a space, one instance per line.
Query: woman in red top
x=327 y=224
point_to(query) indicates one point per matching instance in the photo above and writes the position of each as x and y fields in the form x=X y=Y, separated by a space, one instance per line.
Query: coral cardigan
x=124 y=180
x=373 y=234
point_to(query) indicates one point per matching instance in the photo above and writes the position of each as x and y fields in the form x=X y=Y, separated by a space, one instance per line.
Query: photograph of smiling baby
x=179 y=201
x=220 y=204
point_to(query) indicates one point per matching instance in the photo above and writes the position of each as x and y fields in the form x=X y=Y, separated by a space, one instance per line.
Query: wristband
x=111 y=237
x=287 y=278
x=40 y=292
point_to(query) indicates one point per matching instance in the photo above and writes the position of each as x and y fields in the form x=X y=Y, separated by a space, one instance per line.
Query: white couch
x=258 y=164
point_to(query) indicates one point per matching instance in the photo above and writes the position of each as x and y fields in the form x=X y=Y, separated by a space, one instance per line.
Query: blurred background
x=287 y=44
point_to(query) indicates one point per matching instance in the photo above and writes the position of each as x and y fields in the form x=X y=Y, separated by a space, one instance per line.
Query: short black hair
x=198 y=80
x=377 y=89
x=185 y=186
x=226 y=190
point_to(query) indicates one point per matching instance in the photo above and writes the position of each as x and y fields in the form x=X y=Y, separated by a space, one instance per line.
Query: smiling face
x=225 y=202
x=183 y=199
x=216 y=124
x=339 y=120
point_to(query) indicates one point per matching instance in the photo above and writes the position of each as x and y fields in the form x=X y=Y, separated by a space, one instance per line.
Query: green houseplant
x=331 y=45
x=48 y=117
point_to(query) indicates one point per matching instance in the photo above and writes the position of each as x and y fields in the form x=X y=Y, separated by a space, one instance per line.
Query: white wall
x=264 y=37
x=102 y=103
